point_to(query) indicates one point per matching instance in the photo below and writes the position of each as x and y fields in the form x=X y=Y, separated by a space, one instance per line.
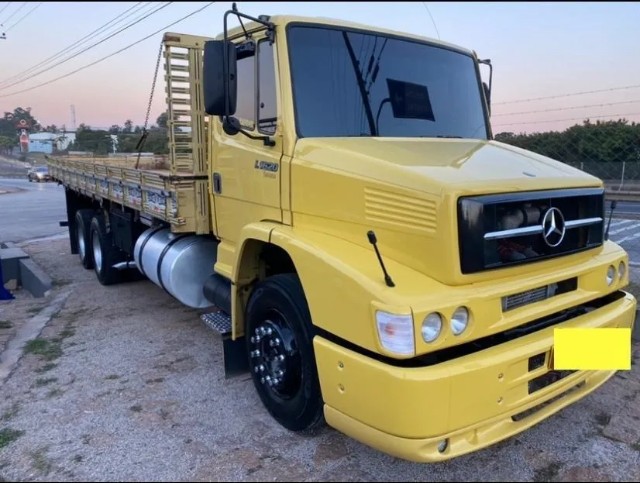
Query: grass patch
x=55 y=392
x=44 y=381
x=11 y=412
x=5 y=324
x=46 y=368
x=136 y=408
x=548 y=472
x=78 y=458
x=636 y=446
x=112 y=377
x=68 y=331
x=8 y=436
x=40 y=461
x=33 y=310
x=49 y=350
x=603 y=418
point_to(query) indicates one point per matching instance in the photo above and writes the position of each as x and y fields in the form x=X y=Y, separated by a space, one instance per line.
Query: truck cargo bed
x=178 y=199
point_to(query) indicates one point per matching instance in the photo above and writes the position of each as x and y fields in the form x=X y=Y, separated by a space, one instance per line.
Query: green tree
x=98 y=142
x=7 y=143
x=162 y=120
x=10 y=120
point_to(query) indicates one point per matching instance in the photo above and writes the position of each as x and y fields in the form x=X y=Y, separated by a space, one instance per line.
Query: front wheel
x=280 y=345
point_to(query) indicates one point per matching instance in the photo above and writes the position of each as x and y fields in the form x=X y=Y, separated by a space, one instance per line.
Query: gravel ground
x=127 y=384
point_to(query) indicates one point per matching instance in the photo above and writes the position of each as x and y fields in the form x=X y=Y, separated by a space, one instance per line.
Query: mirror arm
x=233 y=128
x=265 y=139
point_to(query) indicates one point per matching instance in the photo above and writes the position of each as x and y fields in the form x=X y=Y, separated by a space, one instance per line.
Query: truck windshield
x=350 y=83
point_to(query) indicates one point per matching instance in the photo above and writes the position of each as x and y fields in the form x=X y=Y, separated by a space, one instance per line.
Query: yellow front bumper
x=471 y=401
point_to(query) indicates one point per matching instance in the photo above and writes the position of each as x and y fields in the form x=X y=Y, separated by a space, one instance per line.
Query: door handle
x=217 y=183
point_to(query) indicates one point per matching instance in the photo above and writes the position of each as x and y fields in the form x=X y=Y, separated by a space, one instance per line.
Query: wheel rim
x=275 y=358
x=82 y=249
x=97 y=253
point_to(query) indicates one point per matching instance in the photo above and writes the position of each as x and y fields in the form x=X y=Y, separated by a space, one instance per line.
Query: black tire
x=105 y=253
x=83 y=236
x=278 y=326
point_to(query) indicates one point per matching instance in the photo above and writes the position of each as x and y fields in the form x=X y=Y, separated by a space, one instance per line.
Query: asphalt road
x=30 y=210
x=625 y=207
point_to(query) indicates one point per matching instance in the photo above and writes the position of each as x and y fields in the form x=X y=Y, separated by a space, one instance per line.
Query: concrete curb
x=29 y=330
x=18 y=267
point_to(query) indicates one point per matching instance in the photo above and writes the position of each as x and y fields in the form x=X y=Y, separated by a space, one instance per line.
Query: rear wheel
x=105 y=253
x=279 y=341
x=83 y=227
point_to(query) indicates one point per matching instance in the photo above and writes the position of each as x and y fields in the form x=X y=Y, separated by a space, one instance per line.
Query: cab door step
x=218 y=321
x=236 y=361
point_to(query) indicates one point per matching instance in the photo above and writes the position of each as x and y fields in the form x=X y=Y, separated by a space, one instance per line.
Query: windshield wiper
x=447 y=136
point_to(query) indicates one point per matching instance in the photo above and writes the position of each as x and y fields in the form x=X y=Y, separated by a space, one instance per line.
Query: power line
x=571 y=119
x=567 y=95
x=23 y=17
x=74 y=45
x=110 y=55
x=5 y=7
x=432 y=21
x=24 y=4
x=567 y=108
x=86 y=48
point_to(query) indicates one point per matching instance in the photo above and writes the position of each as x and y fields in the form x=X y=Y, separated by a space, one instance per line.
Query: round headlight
x=431 y=327
x=611 y=274
x=622 y=270
x=459 y=320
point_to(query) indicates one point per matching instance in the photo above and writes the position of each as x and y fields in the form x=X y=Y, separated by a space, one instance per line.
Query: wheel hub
x=275 y=358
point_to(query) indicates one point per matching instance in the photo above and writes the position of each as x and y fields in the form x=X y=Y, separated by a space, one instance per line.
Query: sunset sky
x=537 y=49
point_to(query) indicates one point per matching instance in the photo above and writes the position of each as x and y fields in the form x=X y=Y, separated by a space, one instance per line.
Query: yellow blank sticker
x=592 y=349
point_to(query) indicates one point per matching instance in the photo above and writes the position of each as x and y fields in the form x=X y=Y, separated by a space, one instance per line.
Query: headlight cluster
x=612 y=272
x=432 y=324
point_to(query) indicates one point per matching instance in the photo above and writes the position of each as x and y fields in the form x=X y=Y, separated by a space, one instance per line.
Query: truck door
x=246 y=173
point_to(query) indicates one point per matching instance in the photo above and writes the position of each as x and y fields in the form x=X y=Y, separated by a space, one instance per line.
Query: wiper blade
x=442 y=136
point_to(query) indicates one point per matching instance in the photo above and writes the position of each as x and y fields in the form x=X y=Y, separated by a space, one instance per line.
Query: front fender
x=344 y=283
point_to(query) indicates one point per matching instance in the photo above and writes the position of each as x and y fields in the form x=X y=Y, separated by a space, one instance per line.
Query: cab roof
x=283 y=20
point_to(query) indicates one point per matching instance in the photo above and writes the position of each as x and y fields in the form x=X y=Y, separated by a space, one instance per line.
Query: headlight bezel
x=434 y=316
x=610 y=276
x=453 y=319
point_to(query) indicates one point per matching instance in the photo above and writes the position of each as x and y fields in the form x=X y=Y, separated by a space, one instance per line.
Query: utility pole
x=73 y=117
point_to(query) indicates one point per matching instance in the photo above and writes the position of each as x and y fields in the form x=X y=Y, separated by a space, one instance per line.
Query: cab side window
x=257 y=70
x=246 y=102
x=267 y=99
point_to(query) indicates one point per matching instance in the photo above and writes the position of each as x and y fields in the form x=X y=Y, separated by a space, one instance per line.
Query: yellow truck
x=334 y=205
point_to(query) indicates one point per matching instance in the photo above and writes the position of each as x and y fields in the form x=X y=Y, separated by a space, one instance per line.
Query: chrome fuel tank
x=180 y=264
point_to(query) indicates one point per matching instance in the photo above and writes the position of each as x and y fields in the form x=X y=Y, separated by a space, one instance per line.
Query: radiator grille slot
x=538 y=294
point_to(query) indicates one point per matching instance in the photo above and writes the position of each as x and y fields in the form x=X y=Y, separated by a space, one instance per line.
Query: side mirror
x=487 y=94
x=218 y=91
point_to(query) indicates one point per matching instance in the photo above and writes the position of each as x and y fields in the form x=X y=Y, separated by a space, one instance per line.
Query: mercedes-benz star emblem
x=553 y=228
